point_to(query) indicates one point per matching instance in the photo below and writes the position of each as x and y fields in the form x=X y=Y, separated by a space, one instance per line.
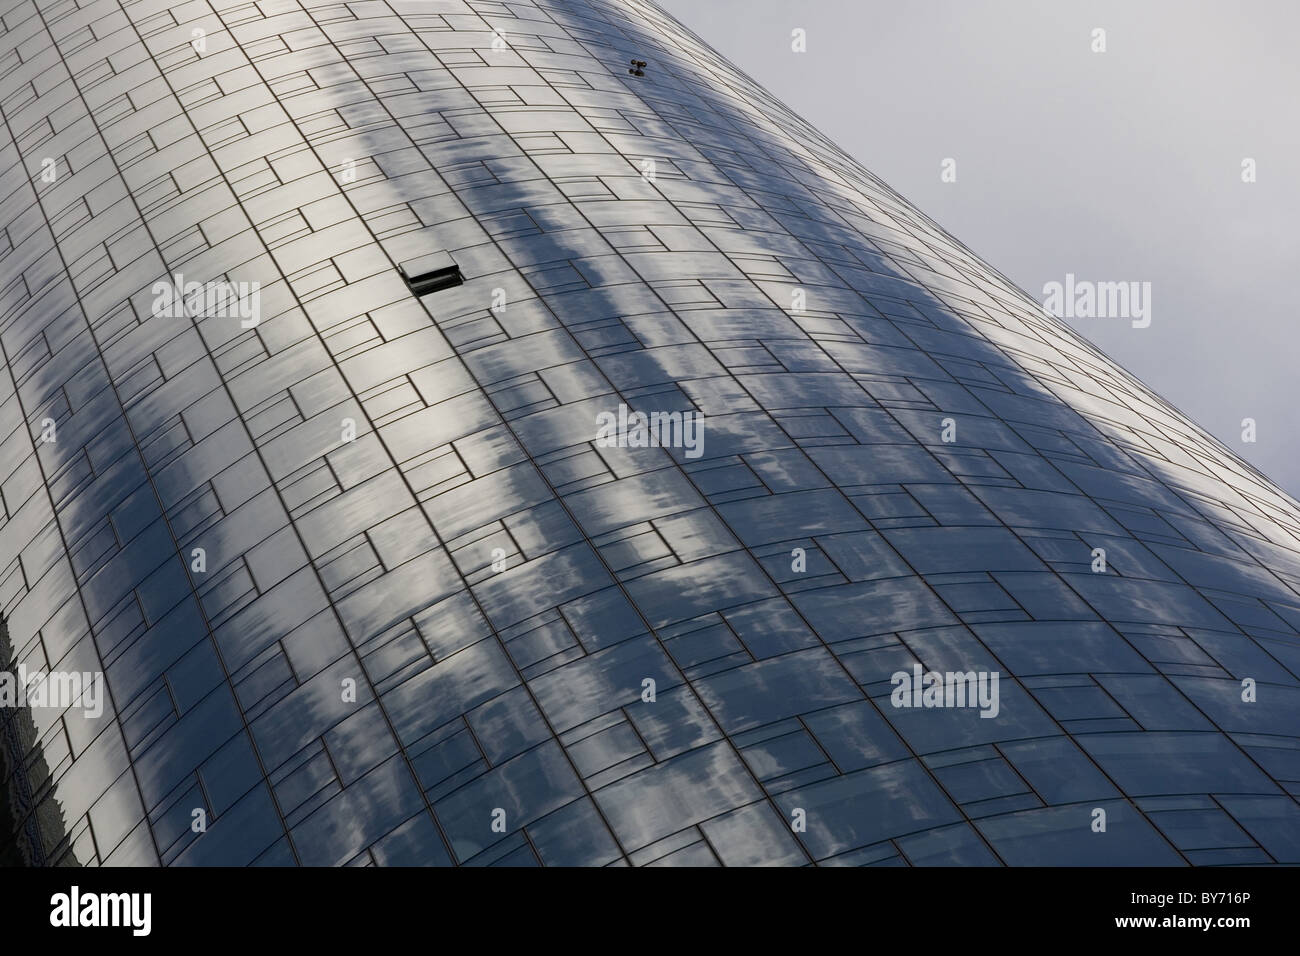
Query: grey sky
x=1115 y=166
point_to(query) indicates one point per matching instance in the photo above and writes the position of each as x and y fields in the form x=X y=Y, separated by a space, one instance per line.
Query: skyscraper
x=481 y=432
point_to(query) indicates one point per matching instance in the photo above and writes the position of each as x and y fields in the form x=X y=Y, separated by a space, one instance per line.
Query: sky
x=1124 y=165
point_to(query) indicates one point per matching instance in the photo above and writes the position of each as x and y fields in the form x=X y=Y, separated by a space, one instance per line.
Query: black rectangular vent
x=431 y=273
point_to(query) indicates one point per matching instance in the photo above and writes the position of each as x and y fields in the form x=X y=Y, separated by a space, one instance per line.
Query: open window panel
x=431 y=273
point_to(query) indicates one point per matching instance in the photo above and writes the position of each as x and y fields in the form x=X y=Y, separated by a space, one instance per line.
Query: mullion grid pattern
x=370 y=560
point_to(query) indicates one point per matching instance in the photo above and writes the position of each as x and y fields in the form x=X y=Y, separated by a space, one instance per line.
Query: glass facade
x=367 y=582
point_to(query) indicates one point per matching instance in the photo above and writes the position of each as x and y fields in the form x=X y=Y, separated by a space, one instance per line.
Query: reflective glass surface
x=367 y=586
